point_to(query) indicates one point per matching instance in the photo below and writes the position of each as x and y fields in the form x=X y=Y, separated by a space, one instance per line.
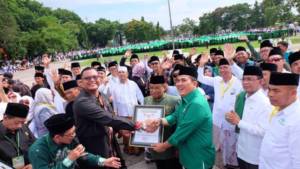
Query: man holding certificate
x=158 y=86
x=193 y=120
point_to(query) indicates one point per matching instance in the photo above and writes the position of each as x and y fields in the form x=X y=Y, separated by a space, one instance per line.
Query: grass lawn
x=295 y=39
x=87 y=62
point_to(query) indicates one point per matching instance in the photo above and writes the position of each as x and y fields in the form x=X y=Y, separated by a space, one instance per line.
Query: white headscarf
x=43 y=97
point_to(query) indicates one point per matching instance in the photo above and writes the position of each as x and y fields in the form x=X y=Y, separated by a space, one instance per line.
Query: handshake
x=149 y=125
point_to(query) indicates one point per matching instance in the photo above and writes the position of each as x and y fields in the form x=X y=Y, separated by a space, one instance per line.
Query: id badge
x=18 y=162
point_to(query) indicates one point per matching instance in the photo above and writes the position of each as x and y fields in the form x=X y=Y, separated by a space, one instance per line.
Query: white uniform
x=252 y=126
x=126 y=97
x=225 y=96
x=280 y=147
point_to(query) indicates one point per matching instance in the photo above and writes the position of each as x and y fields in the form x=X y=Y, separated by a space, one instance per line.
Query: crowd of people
x=235 y=105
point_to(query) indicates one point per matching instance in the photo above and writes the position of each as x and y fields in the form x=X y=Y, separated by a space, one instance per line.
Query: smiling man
x=251 y=113
x=193 y=120
x=158 y=87
x=60 y=150
x=280 y=146
x=93 y=117
x=15 y=137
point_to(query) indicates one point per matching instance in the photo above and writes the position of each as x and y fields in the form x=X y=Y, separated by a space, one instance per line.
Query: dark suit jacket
x=91 y=122
x=8 y=151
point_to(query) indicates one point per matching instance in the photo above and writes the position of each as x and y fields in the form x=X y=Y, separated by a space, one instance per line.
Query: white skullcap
x=122 y=68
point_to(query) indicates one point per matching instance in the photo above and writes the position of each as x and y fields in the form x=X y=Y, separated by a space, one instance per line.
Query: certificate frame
x=150 y=138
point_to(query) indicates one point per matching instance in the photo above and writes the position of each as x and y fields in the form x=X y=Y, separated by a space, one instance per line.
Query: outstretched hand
x=229 y=51
x=203 y=60
x=112 y=162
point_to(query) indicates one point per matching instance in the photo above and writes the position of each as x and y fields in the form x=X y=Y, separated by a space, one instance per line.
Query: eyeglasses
x=73 y=134
x=89 y=78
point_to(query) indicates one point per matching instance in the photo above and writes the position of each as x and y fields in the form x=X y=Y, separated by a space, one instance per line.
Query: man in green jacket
x=193 y=119
x=158 y=87
x=60 y=150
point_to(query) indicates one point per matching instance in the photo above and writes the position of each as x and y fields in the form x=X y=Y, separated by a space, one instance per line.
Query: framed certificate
x=142 y=138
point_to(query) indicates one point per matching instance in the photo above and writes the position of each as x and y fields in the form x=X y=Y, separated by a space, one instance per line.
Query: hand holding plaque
x=151 y=125
x=149 y=130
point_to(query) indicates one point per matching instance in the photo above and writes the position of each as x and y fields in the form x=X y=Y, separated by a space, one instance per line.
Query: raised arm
x=201 y=78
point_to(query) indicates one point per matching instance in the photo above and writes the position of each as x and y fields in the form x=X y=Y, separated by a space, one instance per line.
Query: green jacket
x=169 y=103
x=193 y=135
x=45 y=154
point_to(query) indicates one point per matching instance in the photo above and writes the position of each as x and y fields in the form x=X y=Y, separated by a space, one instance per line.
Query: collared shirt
x=224 y=100
x=125 y=97
x=280 y=147
x=169 y=103
x=193 y=134
x=252 y=126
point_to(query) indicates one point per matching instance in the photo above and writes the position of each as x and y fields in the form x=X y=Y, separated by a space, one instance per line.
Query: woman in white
x=43 y=107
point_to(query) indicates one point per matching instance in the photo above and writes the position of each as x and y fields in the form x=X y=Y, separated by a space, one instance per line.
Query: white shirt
x=126 y=97
x=225 y=103
x=252 y=126
x=280 y=147
x=59 y=102
x=104 y=89
x=265 y=91
x=112 y=82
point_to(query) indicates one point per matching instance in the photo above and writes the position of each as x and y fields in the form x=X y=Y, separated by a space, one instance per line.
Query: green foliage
x=243 y=16
x=8 y=29
x=28 y=29
x=142 y=31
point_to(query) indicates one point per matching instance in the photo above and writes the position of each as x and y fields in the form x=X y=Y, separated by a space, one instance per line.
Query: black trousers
x=172 y=163
x=244 y=165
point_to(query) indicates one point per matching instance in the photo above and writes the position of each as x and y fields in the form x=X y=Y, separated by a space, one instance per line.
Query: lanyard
x=16 y=146
x=273 y=113
x=224 y=90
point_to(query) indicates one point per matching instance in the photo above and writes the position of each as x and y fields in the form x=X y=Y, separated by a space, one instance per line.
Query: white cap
x=122 y=68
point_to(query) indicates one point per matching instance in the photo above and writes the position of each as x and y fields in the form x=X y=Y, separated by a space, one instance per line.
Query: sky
x=152 y=10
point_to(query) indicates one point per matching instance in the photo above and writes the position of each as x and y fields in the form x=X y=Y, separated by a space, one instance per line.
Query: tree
x=8 y=29
x=101 y=32
x=67 y=16
x=187 y=27
x=141 y=31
